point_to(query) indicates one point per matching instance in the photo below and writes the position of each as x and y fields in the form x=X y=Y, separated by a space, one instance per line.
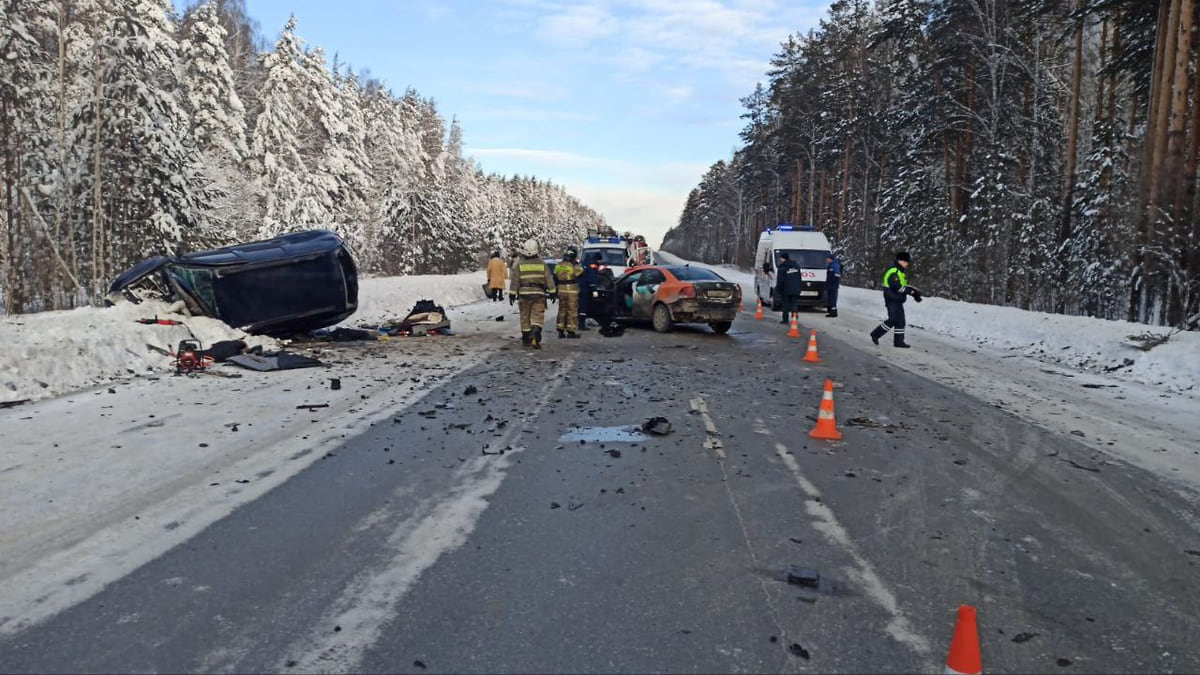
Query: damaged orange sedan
x=665 y=295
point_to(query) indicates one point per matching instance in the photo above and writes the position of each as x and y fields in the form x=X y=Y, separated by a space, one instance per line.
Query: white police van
x=613 y=251
x=807 y=248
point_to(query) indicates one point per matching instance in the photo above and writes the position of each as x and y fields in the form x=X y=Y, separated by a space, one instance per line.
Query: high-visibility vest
x=566 y=275
x=899 y=273
x=532 y=276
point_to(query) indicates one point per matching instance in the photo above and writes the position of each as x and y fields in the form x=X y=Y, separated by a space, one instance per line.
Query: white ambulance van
x=807 y=248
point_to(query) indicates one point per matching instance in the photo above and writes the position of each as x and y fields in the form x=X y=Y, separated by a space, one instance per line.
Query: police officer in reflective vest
x=895 y=291
x=566 y=279
x=531 y=282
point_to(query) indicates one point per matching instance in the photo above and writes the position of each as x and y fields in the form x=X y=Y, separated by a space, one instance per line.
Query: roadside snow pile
x=52 y=353
x=383 y=298
x=1080 y=342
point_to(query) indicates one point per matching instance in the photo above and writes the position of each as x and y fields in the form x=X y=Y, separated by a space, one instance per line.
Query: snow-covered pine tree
x=218 y=127
x=145 y=196
x=27 y=33
x=280 y=171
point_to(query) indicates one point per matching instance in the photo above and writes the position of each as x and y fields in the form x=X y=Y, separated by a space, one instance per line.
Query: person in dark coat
x=833 y=281
x=587 y=285
x=787 y=285
x=895 y=291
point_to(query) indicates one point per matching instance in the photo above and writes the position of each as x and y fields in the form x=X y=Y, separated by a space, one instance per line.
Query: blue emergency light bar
x=788 y=227
x=604 y=240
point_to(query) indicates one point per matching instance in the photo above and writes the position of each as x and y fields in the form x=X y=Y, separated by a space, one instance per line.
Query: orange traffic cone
x=811 y=355
x=758 y=309
x=826 y=424
x=794 y=331
x=964 y=656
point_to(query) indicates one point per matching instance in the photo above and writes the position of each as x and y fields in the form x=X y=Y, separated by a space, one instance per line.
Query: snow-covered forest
x=1034 y=153
x=127 y=130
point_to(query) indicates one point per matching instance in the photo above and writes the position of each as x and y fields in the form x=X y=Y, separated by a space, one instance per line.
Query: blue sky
x=624 y=102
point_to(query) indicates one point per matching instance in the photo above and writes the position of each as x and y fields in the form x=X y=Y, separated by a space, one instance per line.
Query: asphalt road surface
x=466 y=534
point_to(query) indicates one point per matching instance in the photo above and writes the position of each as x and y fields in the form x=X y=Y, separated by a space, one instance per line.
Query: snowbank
x=1080 y=342
x=52 y=353
x=384 y=298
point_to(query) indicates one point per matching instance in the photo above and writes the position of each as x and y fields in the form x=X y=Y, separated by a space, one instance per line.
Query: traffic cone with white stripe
x=794 y=331
x=826 y=428
x=811 y=355
x=758 y=309
x=964 y=656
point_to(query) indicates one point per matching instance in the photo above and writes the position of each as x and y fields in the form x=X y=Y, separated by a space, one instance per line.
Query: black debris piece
x=1024 y=637
x=1063 y=663
x=555 y=505
x=419 y=664
x=312 y=406
x=290 y=664
x=280 y=361
x=11 y=404
x=471 y=390
x=613 y=453
x=573 y=505
x=796 y=650
x=803 y=576
x=773 y=639
x=794 y=540
x=335 y=383
x=1192 y=551
x=222 y=350
x=659 y=426
x=500 y=318
x=960 y=462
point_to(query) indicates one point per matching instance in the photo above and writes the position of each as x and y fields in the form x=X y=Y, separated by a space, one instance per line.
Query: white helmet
x=530 y=248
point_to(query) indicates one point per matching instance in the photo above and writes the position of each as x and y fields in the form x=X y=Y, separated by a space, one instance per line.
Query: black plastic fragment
x=803 y=576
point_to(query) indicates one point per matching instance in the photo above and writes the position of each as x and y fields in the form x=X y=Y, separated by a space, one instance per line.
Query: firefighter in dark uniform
x=531 y=282
x=895 y=291
x=566 y=278
x=787 y=285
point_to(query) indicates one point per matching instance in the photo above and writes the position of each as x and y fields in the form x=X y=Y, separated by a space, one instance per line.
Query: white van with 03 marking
x=807 y=248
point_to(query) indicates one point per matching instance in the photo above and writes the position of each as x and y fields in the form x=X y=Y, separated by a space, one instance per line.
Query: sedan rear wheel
x=720 y=327
x=662 y=319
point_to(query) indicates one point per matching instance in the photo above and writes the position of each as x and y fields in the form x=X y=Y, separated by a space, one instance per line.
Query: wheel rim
x=662 y=318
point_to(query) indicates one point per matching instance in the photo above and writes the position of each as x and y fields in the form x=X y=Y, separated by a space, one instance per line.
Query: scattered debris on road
x=868 y=422
x=659 y=426
x=1024 y=637
x=312 y=406
x=471 y=390
x=803 y=576
x=796 y=650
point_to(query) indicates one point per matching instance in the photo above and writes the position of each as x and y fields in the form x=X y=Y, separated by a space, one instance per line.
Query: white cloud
x=577 y=25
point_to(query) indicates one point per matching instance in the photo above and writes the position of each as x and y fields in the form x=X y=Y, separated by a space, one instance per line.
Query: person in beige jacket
x=497 y=271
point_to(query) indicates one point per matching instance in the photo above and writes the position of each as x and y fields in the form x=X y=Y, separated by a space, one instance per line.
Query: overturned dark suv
x=293 y=283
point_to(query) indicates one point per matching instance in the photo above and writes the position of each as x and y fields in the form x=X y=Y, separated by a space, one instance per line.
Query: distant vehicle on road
x=665 y=295
x=807 y=248
x=290 y=284
x=613 y=251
